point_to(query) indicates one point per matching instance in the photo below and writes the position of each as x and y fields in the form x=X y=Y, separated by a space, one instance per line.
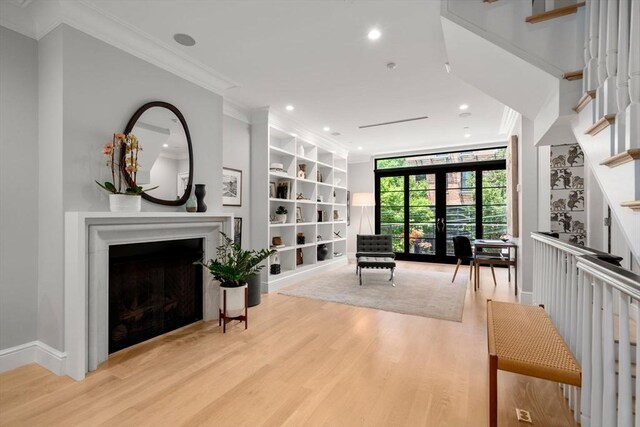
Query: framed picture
x=237 y=231
x=272 y=190
x=299 y=217
x=231 y=187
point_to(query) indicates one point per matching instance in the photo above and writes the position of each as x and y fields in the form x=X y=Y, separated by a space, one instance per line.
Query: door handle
x=440 y=225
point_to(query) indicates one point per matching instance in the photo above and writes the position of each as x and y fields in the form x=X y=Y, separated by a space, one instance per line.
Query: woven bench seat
x=523 y=340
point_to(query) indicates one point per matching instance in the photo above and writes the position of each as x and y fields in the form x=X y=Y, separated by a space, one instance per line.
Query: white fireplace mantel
x=88 y=236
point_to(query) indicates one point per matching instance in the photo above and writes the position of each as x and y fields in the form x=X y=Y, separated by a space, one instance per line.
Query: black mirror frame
x=132 y=122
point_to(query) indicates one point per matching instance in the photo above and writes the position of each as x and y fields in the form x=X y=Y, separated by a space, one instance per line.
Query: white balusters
x=622 y=79
x=610 y=103
x=594 y=20
x=585 y=360
x=596 y=356
x=602 y=57
x=625 y=409
x=632 y=136
x=609 y=412
x=587 y=51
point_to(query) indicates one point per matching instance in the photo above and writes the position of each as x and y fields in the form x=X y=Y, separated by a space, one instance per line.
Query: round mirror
x=166 y=158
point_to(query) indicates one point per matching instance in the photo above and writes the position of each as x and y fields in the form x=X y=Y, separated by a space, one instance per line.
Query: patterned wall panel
x=567 y=193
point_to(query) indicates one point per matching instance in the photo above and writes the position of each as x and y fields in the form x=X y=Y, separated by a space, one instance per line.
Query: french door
x=423 y=208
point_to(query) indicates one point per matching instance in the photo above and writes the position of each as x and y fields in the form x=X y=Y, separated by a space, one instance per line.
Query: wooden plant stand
x=223 y=319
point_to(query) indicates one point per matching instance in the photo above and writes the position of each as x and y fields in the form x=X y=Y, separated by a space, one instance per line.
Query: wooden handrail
x=555 y=13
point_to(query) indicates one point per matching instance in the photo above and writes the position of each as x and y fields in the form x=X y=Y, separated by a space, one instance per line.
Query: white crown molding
x=508 y=121
x=33 y=352
x=442 y=149
x=42 y=16
x=235 y=110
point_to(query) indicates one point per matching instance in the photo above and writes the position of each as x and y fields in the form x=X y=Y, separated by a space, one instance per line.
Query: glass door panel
x=392 y=210
x=460 y=207
x=494 y=204
x=422 y=214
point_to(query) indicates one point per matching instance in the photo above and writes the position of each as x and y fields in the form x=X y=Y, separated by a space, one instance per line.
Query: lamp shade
x=363 y=199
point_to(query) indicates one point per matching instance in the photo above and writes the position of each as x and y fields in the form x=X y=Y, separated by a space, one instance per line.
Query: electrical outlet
x=524 y=416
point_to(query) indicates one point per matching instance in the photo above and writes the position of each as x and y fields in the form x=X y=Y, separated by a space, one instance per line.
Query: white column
x=622 y=80
x=632 y=136
x=592 y=84
x=610 y=90
x=602 y=58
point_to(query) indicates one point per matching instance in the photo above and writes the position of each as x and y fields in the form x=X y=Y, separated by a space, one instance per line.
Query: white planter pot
x=124 y=203
x=281 y=218
x=235 y=300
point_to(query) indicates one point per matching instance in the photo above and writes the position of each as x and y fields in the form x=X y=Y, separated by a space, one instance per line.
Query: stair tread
x=585 y=100
x=622 y=158
x=572 y=75
x=632 y=204
x=601 y=124
x=555 y=13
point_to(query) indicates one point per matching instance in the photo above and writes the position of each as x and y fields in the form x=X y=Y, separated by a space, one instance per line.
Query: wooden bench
x=523 y=340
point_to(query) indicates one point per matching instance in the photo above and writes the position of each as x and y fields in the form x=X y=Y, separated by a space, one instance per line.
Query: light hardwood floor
x=302 y=362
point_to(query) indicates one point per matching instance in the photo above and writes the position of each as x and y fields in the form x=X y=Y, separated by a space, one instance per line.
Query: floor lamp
x=363 y=200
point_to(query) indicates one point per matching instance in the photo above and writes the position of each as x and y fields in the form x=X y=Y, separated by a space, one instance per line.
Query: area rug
x=417 y=292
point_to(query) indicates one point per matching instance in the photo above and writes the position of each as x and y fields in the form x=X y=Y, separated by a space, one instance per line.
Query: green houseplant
x=232 y=267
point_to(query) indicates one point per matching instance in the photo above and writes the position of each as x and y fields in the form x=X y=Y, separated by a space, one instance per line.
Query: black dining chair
x=462 y=250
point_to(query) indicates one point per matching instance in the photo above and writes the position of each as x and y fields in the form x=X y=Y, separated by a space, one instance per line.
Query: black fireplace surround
x=154 y=288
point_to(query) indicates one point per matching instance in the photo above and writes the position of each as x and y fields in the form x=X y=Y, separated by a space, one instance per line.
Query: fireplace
x=154 y=288
x=89 y=237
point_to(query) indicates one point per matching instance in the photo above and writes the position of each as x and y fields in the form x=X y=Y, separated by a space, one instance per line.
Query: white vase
x=125 y=203
x=281 y=218
x=235 y=300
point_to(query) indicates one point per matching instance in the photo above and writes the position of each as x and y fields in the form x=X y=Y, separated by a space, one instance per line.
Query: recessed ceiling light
x=165 y=145
x=184 y=39
x=289 y=108
x=464 y=106
x=374 y=34
x=359 y=148
x=463 y=115
x=447 y=67
x=294 y=135
x=391 y=65
x=326 y=128
x=467 y=135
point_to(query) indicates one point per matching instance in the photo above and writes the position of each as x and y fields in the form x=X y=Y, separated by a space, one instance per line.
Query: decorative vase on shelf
x=200 y=193
x=125 y=203
x=323 y=251
x=192 y=204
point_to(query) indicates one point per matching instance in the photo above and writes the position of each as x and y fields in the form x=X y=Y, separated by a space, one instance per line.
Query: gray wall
x=98 y=88
x=236 y=135
x=361 y=180
x=18 y=188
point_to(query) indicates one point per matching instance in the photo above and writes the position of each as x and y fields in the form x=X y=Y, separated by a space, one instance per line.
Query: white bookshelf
x=323 y=188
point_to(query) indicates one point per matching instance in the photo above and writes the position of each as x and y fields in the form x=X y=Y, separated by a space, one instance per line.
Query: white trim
x=33 y=352
x=235 y=110
x=526 y=297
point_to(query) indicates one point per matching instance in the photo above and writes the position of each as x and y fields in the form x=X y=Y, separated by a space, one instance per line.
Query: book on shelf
x=283 y=190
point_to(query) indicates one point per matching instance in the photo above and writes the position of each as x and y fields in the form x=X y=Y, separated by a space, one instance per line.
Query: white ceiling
x=316 y=56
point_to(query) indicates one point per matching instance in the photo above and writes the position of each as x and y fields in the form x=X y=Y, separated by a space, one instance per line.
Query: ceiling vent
x=393 y=122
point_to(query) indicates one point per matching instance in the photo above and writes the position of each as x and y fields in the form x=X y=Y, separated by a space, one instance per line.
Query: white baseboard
x=526 y=297
x=33 y=352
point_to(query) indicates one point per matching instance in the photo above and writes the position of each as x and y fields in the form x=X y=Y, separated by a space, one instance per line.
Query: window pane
x=444 y=158
x=494 y=203
x=422 y=214
x=392 y=210
x=461 y=206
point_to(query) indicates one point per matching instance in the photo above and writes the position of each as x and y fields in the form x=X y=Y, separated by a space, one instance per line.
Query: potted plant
x=281 y=214
x=122 y=158
x=232 y=267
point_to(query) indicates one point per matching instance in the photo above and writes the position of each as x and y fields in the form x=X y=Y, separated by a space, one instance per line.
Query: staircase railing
x=594 y=305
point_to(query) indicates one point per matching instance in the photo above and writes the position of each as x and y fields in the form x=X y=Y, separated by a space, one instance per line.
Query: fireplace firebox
x=154 y=288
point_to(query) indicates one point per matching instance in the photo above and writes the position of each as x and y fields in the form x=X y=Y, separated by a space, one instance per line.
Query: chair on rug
x=375 y=251
x=462 y=250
